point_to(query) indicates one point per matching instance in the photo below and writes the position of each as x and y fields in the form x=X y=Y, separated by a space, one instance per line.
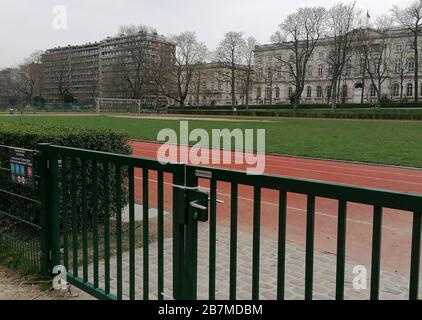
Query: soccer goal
x=115 y=105
x=148 y=104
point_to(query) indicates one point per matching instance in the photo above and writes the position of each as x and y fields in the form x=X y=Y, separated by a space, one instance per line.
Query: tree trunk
x=233 y=91
x=416 y=85
x=296 y=103
x=333 y=96
x=378 y=105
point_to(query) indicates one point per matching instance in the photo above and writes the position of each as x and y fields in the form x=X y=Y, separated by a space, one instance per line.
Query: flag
x=368 y=15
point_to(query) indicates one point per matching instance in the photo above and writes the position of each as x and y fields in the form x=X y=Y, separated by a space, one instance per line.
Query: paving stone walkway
x=393 y=286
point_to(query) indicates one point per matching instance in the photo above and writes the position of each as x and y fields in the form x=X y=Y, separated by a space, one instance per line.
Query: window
x=321 y=54
x=290 y=92
x=329 y=92
x=348 y=70
x=396 y=90
x=258 y=92
x=279 y=72
x=411 y=66
x=309 y=92
x=319 y=91
x=330 y=71
x=399 y=47
x=268 y=93
x=397 y=66
x=344 y=91
x=409 y=90
x=260 y=74
x=373 y=91
x=320 y=70
x=292 y=58
x=309 y=71
x=269 y=75
x=277 y=92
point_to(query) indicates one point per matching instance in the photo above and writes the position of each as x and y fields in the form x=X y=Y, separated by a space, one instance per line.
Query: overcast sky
x=27 y=25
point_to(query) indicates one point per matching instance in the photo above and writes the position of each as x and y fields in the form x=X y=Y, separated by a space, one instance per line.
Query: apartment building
x=116 y=67
x=70 y=70
x=128 y=66
x=211 y=85
x=273 y=83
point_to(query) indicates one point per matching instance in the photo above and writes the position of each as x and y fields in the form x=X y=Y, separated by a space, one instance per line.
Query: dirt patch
x=14 y=286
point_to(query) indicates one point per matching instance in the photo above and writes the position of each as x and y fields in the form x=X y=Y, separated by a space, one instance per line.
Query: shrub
x=28 y=136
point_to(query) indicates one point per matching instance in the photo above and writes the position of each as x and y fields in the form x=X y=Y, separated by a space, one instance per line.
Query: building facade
x=273 y=83
x=211 y=85
x=71 y=70
x=117 y=67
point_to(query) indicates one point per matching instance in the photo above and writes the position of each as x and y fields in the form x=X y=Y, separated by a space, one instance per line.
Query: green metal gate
x=83 y=191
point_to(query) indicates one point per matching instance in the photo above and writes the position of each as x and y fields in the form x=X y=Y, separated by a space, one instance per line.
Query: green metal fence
x=73 y=180
x=20 y=215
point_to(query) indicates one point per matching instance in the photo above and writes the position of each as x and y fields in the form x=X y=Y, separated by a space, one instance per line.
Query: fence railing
x=86 y=193
x=344 y=194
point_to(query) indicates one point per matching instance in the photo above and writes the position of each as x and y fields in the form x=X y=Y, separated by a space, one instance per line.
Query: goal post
x=118 y=105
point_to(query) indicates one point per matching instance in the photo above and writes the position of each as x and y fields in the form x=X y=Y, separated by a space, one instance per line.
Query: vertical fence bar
x=256 y=243
x=233 y=241
x=106 y=181
x=132 y=269
x=44 y=211
x=160 y=231
x=118 y=179
x=309 y=264
x=179 y=218
x=213 y=238
x=74 y=218
x=65 y=214
x=95 y=219
x=54 y=213
x=341 y=249
x=282 y=210
x=191 y=245
x=376 y=253
x=145 y=241
x=416 y=256
x=84 y=222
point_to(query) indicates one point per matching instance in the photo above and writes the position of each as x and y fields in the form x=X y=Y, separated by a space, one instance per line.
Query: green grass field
x=383 y=142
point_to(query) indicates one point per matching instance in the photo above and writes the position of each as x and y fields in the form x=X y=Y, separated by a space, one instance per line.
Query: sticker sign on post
x=22 y=167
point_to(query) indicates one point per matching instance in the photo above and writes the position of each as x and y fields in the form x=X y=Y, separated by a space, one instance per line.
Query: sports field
x=372 y=141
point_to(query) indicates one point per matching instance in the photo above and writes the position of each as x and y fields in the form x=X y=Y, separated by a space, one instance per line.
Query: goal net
x=134 y=106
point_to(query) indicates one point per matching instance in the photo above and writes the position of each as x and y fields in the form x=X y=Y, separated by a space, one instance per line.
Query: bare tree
x=174 y=80
x=59 y=70
x=136 y=62
x=341 y=19
x=402 y=62
x=30 y=77
x=377 y=58
x=230 y=52
x=249 y=62
x=410 y=18
x=300 y=33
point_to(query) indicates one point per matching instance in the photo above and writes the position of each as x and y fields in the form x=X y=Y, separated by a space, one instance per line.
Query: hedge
x=305 y=106
x=393 y=114
x=28 y=136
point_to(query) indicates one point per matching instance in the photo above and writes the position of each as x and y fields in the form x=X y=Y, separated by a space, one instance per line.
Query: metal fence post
x=179 y=207
x=50 y=235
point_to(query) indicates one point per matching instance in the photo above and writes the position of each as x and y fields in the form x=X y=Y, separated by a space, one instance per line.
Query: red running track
x=396 y=232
